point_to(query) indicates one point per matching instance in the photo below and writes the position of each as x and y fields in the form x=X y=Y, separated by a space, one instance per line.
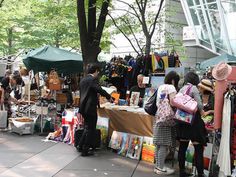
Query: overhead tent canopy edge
x=215 y=60
x=46 y=58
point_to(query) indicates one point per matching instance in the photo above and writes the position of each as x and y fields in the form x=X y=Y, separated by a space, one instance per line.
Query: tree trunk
x=10 y=40
x=148 y=45
x=57 y=42
x=90 y=34
x=90 y=55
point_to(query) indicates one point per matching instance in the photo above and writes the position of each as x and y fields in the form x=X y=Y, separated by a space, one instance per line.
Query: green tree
x=138 y=18
x=32 y=23
x=1 y=2
x=55 y=23
x=91 y=26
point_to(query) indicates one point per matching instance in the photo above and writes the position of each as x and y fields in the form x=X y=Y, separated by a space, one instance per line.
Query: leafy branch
x=1 y=2
x=125 y=35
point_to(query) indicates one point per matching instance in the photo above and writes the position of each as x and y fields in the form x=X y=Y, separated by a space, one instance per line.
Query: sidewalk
x=29 y=156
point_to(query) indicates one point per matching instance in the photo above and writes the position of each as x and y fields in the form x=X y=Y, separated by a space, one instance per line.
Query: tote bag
x=165 y=112
x=3 y=117
x=185 y=102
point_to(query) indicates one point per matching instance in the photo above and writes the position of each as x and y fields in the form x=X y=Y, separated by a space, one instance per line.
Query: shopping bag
x=165 y=112
x=151 y=107
x=33 y=85
x=3 y=117
x=184 y=117
x=54 y=81
x=185 y=102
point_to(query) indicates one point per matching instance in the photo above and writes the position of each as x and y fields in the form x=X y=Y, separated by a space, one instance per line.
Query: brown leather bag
x=54 y=81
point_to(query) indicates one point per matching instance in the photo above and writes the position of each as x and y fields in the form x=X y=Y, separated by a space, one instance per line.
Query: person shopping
x=195 y=132
x=9 y=84
x=164 y=135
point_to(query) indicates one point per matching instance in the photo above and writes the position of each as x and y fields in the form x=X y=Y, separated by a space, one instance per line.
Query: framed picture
x=116 y=140
x=135 y=147
x=134 y=98
x=103 y=125
x=124 y=144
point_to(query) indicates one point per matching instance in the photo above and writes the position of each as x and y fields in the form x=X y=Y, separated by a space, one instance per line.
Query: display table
x=129 y=122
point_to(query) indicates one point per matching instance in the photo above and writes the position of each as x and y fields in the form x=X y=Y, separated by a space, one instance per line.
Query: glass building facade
x=214 y=23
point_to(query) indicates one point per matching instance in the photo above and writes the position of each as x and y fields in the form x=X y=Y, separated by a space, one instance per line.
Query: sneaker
x=164 y=171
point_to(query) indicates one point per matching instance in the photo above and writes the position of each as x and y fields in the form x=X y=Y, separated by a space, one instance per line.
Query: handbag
x=165 y=112
x=184 y=117
x=151 y=107
x=54 y=81
x=3 y=117
x=33 y=85
x=185 y=102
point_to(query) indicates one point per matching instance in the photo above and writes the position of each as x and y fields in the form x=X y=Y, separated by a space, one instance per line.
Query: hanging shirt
x=223 y=159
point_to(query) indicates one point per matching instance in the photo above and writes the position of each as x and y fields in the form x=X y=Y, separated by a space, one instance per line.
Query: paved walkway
x=29 y=156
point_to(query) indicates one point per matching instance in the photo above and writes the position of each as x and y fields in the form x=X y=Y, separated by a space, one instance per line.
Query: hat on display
x=221 y=71
x=206 y=85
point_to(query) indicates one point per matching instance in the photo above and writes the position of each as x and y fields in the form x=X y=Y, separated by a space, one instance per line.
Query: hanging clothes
x=166 y=62
x=171 y=60
x=223 y=159
x=157 y=63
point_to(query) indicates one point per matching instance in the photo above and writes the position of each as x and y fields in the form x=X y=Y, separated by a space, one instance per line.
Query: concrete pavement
x=29 y=156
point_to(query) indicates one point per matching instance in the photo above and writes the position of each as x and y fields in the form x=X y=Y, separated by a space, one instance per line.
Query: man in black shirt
x=139 y=88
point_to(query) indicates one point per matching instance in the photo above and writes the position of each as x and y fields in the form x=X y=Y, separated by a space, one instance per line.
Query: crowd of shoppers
x=166 y=136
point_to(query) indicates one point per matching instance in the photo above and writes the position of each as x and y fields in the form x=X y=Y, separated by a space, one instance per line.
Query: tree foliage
x=137 y=21
x=145 y=23
x=33 y=23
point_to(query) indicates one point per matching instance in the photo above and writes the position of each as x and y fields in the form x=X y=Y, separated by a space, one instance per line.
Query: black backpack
x=151 y=107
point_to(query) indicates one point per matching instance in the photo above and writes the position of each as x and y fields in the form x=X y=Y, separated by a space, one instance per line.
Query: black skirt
x=195 y=132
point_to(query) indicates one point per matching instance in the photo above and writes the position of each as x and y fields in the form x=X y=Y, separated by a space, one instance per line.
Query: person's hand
x=209 y=112
x=14 y=100
x=205 y=113
x=112 y=100
x=1 y=100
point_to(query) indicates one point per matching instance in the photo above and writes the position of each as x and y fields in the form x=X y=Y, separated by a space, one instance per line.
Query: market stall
x=46 y=58
x=138 y=123
x=57 y=66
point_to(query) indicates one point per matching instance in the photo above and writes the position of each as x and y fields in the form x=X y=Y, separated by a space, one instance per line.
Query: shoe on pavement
x=79 y=149
x=164 y=171
x=87 y=152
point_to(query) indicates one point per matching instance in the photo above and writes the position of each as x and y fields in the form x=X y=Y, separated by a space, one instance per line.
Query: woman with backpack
x=164 y=132
x=196 y=131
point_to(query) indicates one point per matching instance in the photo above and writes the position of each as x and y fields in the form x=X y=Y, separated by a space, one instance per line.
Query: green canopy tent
x=46 y=58
x=215 y=60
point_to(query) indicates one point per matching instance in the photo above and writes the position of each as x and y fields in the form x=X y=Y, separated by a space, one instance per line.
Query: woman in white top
x=164 y=134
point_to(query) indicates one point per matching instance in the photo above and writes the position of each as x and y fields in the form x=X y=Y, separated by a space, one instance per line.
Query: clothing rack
x=232 y=90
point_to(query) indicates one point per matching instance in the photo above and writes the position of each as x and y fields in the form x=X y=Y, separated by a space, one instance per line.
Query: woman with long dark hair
x=164 y=135
x=195 y=132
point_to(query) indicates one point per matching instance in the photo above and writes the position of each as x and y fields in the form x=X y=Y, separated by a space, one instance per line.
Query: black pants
x=198 y=148
x=87 y=139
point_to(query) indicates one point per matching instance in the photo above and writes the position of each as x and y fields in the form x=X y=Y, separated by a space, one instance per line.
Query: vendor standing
x=9 y=84
x=139 y=88
x=206 y=88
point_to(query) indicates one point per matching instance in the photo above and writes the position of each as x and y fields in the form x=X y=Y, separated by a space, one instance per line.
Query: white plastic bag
x=3 y=117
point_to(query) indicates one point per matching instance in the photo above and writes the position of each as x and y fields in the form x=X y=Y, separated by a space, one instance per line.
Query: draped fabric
x=223 y=159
